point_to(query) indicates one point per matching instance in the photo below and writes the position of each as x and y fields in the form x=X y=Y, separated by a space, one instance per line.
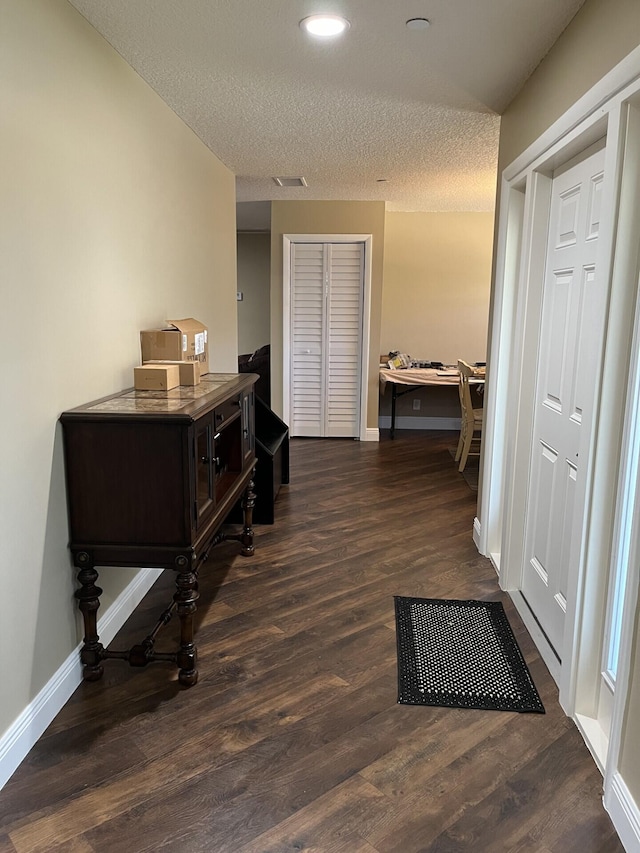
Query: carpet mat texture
x=461 y=654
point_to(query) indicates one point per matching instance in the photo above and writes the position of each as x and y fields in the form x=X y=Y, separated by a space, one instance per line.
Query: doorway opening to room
x=558 y=511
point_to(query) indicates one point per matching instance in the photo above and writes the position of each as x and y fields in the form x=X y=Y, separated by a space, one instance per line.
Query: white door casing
x=574 y=302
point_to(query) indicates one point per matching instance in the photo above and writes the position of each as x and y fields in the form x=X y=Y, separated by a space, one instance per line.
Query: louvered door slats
x=307 y=350
x=326 y=318
x=344 y=339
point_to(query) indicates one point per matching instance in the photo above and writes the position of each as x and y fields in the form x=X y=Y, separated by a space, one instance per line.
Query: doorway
x=597 y=643
x=569 y=533
x=574 y=303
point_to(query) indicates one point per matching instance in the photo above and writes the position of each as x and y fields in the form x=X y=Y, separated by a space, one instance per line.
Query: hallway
x=293 y=740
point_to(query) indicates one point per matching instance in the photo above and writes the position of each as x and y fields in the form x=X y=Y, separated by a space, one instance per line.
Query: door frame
x=287 y=240
x=610 y=109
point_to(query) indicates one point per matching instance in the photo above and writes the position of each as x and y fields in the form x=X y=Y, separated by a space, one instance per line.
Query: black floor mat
x=461 y=654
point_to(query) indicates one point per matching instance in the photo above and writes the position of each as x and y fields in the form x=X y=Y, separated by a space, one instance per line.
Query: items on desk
x=398 y=360
x=401 y=361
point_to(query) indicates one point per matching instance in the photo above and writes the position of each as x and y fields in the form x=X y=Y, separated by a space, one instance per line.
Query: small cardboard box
x=189 y=370
x=156 y=377
x=181 y=340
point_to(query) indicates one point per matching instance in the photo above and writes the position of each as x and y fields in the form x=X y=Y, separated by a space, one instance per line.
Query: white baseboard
x=494 y=556
x=25 y=731
x=477 y=529
x=124 y=605
x=405 y=422
x=29 y=726
x=595 y=738
x=372 y=434
x=624 y=813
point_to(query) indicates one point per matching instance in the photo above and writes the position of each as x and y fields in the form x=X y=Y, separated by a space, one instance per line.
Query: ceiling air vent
x=290 y=182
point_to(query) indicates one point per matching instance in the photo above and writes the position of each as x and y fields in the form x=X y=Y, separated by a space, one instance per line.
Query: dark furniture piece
x=258 y=362
x=151 y=478
x=272 y=453
x=272 y=469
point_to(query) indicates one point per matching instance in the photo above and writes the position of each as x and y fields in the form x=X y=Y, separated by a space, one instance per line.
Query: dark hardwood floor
x=293 y=739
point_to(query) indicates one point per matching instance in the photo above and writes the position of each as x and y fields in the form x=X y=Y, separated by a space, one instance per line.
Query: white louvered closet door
x=327 y=286
x=307 y=339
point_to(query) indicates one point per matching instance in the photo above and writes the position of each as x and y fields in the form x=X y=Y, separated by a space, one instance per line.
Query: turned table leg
x=88 y=596
x=185 y=597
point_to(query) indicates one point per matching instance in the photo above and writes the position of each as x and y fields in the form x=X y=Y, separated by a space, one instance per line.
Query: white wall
x=113 y=218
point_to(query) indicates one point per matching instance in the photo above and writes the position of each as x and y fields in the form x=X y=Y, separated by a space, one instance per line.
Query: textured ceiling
x=382 y=113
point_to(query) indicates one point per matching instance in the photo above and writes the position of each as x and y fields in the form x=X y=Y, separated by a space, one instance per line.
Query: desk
x=414 y=377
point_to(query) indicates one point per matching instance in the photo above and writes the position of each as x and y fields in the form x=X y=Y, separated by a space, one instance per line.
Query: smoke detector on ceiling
x=418 y=23
x=290 y=182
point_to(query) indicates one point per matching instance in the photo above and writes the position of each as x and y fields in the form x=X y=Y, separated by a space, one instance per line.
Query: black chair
x=258 y=362
x=272 y=465
x=272 y=453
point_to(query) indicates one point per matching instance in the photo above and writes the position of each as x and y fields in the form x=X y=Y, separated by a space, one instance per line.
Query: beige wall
x=254 y=280
x=601 y=34
x=326 y=217
x=113 y=217
x=437 y=277
x=599 y=37
x=435 y=298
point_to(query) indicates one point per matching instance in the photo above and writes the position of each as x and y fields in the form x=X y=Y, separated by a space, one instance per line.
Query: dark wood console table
x=151 y=478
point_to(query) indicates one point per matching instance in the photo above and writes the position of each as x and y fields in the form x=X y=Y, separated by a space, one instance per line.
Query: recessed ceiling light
x=418 y=23
x=325 y=25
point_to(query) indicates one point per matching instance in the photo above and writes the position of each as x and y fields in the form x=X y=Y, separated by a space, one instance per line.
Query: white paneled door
x=574 y=302
x=327 y=292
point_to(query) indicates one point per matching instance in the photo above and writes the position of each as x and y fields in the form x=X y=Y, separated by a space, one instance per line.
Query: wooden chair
x=471 y=419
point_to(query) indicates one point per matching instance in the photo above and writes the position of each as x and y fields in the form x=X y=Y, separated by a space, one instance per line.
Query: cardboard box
x=156 y=377
x=181 y=340
x=189 y=370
